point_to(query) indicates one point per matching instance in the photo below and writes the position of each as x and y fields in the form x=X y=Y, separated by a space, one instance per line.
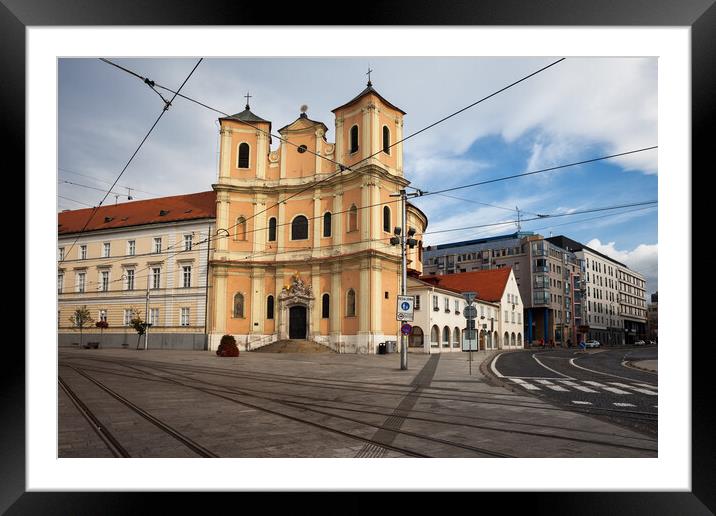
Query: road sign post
x=469 y=339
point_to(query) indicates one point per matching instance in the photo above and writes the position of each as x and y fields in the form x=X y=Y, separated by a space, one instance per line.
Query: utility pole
x=146 y=321
x=404 y=238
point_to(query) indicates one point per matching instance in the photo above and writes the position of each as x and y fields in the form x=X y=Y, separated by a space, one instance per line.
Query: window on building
x=417 y=303
x=187 y=242
x=240 y=229
x=80 y=282
x=103 y=315
x=446 y=337
x=435 y=337
x=506 y=318
x=243 y=155
x=353 y=218
x=154 y=316
x=435 y=303
x=351 y=303
x=325 y=306
x=186 y=276
x=386 y=139
x=104 y=281
x=299 y=228
x=129 y=273
x=354 y=139
x=61 y=253
x=60 y=281
x=386 y=219
x=156 y=277
x=157 y=244
x=106 y=250
x=327 y=224
x=513 y=317
x=238 y=305
x=127 y=320
x=447 y=304
x=269 y=307
x=83 y=252
x=272 y=229
x=457 y=306
x=185 y=316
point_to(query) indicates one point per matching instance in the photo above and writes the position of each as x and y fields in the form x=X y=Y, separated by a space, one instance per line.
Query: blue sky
x=578 y=109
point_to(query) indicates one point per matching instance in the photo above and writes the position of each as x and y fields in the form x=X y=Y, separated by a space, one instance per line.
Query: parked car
x=652 y=343
x=640 y=343
x=592 y=344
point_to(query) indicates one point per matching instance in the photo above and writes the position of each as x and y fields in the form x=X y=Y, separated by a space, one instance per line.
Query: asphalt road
x=598 y=382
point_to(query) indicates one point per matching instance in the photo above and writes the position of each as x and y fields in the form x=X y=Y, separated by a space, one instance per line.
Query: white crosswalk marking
x=581 y=402
x=615 y=390
x=596 y=384
x=524 y=384
x=624 y=404
x=557 y=388
x=647 y=386
x=582 y=388
x=637 y=389
x=545 y=382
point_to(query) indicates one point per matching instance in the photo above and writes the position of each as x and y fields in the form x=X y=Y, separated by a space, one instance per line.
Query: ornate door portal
x=295 y=306
x=297 y=322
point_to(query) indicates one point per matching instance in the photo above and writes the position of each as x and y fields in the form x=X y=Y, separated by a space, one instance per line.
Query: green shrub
x=228 y=347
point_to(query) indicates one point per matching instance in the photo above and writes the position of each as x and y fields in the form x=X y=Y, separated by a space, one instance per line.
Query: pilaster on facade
x=262 y=150
x=225 y=162
x=337 y=228
x=281 y=227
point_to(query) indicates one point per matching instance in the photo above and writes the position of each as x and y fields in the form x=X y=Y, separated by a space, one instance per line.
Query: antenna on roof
x=116 y=196
x=304 y=108
x=129 y=193
x=519 y=222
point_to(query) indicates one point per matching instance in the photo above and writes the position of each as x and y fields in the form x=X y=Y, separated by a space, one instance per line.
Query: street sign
x=470 y=324
x=405 y=329
x=469 y=297
x=470 y=312
x=469 y=341
x=404 y=310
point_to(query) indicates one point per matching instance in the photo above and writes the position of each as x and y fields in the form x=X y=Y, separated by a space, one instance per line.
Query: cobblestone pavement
x=189 y=404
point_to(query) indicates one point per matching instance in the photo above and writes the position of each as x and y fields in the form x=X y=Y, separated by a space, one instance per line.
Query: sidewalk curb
x=631 y=364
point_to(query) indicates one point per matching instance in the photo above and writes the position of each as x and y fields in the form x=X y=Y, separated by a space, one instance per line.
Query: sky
x=578 y=109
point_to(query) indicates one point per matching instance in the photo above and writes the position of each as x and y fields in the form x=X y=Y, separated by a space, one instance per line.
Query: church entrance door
x=297 y=322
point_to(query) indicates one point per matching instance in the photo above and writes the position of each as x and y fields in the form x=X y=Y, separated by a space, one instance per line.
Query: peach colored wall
x=241 y=209
x=348 y=122
x=325 y=288
x=350 y=279
x=352 y=196
x=389 y=282
x=295 y=207
x=387 y=117
x=301 y=164
x=240 y=284
x=270 y=289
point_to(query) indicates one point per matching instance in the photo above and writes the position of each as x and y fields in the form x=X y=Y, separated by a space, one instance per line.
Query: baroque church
x=302 y=247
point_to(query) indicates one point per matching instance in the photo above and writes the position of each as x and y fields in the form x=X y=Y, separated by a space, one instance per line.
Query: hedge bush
x=228 y=347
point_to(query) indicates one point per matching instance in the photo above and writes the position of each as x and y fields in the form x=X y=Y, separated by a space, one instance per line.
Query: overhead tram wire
x=99 y=180
x=91 y=187
x=341 y=166
x=164 y=110
x=482 y=203
x=78 y=202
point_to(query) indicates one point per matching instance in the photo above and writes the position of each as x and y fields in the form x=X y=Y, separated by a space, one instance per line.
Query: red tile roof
x=489 y=284
x=175 y=208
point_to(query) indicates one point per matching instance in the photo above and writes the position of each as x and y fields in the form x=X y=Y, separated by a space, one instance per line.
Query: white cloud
x=643 y=259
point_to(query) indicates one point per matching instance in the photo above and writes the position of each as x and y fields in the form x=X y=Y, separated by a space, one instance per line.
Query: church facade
x=302 y=248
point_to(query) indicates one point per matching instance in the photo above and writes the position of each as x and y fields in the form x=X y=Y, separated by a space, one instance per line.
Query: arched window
x=327 y=224
x=386 y=139
x=299 y=228
x=351 y=303
x=353 y=218
x=386 y=219
x=456 y=338
x=269 y=307
x=415 y=339
x=513 y=341
x=238 y=305
x=240 y=228
x=272 y=229
x=354 y=139
x=446 y=337
x=506 y=340
x=519 y=339
x=243 y=155
x=325 y=306
x=435 y=337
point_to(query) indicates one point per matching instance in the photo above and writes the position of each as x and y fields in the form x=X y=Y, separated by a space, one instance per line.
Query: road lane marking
x=550 y=369
x=647 y=386
x=581 y=402
x=637 y=389
x=494 y=369
x=624 y=404
x=557 y=388
x=545 y=382
x=578 y=387
x=572 y=362
x=615 y=390
x=524 y=384
x=596 y=384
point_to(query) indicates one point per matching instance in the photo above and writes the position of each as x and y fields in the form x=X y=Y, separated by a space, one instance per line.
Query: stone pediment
x=303 y=123
x=298 y=291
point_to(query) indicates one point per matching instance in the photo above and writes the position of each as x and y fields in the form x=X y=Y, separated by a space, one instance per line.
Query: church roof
x=247 y=116
x=365 y=92
x=301 y=123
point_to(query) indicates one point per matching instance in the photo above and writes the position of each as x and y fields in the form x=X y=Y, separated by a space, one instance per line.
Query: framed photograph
x=67 y=71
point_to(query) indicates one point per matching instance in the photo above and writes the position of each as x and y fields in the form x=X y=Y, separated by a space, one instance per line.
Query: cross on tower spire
x=368 y=74
x=247 y=99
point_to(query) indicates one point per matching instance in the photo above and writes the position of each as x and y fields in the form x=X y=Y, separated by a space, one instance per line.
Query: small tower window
x=272 y=229
x=386 y=139
x=269 y=307
x=353 y=218
x=244 y=155
x=299 y=228
x=351 y=303
x=238 y=305
x=241 y=228
x=327 y=224
x=386 y=219
x=325 y=306
x=354 y=139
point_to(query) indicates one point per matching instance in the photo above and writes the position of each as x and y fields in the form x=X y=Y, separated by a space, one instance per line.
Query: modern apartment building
x=615 y=296
x=652 y=325
x=548 y=277
x=147 y=256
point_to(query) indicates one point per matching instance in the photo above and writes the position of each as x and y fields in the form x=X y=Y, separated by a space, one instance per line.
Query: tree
x=101 y=325
x=138 y=324
x=80 y=318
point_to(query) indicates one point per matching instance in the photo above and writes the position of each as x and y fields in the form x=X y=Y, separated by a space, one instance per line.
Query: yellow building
x=302 y=248
x=148 y=255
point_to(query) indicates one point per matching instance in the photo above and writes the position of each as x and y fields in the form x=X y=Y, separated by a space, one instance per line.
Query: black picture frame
x=700 y=15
